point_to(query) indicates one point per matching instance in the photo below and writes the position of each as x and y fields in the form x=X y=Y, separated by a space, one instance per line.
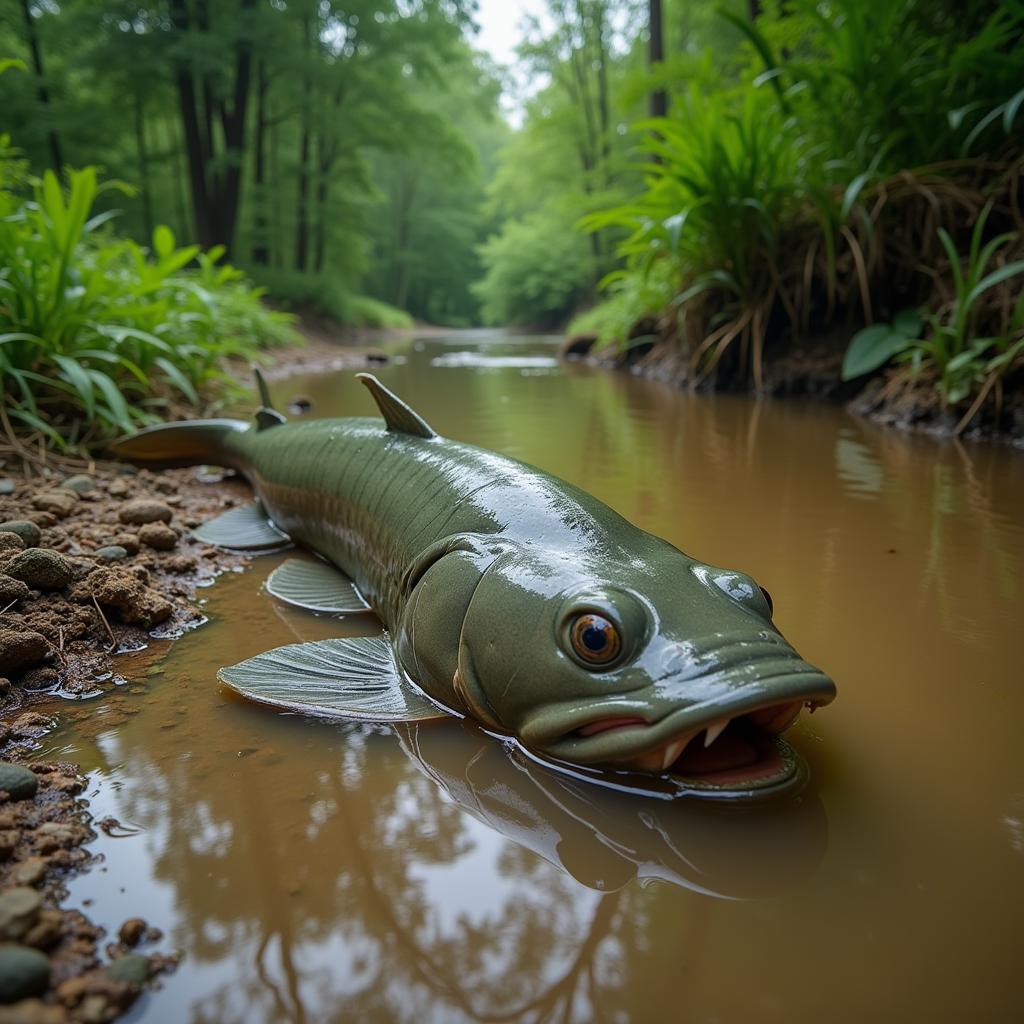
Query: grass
x=99 y=334
x=837 y=182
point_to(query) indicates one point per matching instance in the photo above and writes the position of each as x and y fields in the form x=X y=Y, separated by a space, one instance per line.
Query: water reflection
x=605 y=839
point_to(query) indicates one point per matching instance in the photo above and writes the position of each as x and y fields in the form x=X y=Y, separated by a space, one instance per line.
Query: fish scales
x=510 y=596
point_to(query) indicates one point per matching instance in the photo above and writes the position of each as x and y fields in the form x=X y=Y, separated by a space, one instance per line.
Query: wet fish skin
x=479 y=564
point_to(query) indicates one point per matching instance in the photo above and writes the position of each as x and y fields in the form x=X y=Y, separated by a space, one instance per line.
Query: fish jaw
x=731 y=740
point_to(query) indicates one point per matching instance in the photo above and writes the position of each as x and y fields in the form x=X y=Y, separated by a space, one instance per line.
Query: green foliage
x=960 y=359
x=876 y=345
x=805 y=188
x=98 y=333
x=537 y=268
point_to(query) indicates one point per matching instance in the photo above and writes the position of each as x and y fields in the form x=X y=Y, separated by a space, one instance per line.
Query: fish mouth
x=735 y=749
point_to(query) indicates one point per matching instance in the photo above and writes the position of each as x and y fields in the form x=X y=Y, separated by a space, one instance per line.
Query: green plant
x=960 y=357
x=98 y=333
x=876 y=345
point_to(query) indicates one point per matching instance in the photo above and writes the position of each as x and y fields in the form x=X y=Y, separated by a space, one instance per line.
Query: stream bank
x=892 y=397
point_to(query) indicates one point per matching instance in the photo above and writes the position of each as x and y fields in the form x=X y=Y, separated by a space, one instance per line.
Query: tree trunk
x=215 y=178
x=260 y=228
x=655 y=56
x=42 y=92
x=142 y=155
x=302 y=198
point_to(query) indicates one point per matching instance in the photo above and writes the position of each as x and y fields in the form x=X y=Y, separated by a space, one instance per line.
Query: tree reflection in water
x=441 y=877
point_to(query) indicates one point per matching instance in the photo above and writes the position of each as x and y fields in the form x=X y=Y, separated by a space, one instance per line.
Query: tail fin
x=191 y=443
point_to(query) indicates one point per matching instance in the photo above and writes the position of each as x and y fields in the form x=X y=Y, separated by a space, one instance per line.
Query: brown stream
x=312 y=872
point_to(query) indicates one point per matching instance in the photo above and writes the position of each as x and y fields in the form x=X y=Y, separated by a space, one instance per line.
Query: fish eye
x=595 y=640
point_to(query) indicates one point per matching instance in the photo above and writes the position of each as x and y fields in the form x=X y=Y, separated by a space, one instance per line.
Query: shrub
x=97 y=333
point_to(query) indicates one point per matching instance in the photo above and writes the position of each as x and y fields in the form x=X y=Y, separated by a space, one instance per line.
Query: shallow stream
x=311 y=872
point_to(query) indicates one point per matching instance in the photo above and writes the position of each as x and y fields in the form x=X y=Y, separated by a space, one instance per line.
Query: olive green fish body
x=526 y=603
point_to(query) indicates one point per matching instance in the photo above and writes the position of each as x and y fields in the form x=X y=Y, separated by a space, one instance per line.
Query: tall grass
x=99 y=334
x=829 y=184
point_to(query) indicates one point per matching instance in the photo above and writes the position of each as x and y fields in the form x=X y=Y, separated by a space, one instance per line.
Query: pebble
x=133 y=968
x=32 y=1011
x=128 y=541
x=144 y=510
x=30 y=534
x=24 y=973
x=39 y=679
x=80 y=484
x=7 y=485
x=57 y=503
x=11 y=589
x=119 y=488
x=20 y=649
x=28 y=872
x=11 y=542
x=112 y=553
x=42 y=569
x=17 y=781
x=9 y=839
x=158 y=535
x=19 y=911
x=131 y=931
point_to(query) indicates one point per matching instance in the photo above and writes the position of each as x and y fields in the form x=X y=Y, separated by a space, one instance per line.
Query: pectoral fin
x=318 y=586
x=354 y=677
x=246 y=528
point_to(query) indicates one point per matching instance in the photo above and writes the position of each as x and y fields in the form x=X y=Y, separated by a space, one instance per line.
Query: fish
x=507 y=595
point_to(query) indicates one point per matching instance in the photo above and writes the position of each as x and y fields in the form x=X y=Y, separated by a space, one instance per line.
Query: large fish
x=508 y=595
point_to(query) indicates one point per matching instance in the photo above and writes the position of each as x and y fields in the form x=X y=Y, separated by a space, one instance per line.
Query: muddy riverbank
x=892 y=397
x=97 y=565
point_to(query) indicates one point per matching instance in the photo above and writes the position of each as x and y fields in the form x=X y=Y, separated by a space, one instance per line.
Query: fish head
x=652 y=663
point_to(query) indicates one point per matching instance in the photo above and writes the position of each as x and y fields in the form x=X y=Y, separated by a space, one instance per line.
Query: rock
x=80 y=484
x=30 y=534
x=31 y=725
x=158 y=535
x=165 y=485
x=7 y=485
x=134 y=601
x=11 y=590
x=39 y=679
x=46 y=932
x=17 y=781
x=133 y=968
x=54 y=836
x=128 y=541
x=24 y=973
x=42 y=569
x=19 y=911
x=57 y=503
x=20 y=649
x=32 y=1011
x=28 y=872
x=132 y=931
x=112 y=553
x=119 y=488
x=9 y=839
x=11 y=542
x=144 y=510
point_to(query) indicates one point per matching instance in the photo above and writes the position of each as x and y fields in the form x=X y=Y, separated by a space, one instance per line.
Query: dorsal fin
x=266 y=414
x=397 y=415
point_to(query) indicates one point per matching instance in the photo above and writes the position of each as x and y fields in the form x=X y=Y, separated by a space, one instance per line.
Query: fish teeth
x=715 y=730
x=672 y=752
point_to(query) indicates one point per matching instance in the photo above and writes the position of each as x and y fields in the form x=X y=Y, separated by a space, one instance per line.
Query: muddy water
x=321 y=873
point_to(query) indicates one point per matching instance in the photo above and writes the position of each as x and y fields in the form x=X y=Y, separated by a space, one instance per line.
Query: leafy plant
x=960 y=357
x=98 y=333
x=876 y=345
